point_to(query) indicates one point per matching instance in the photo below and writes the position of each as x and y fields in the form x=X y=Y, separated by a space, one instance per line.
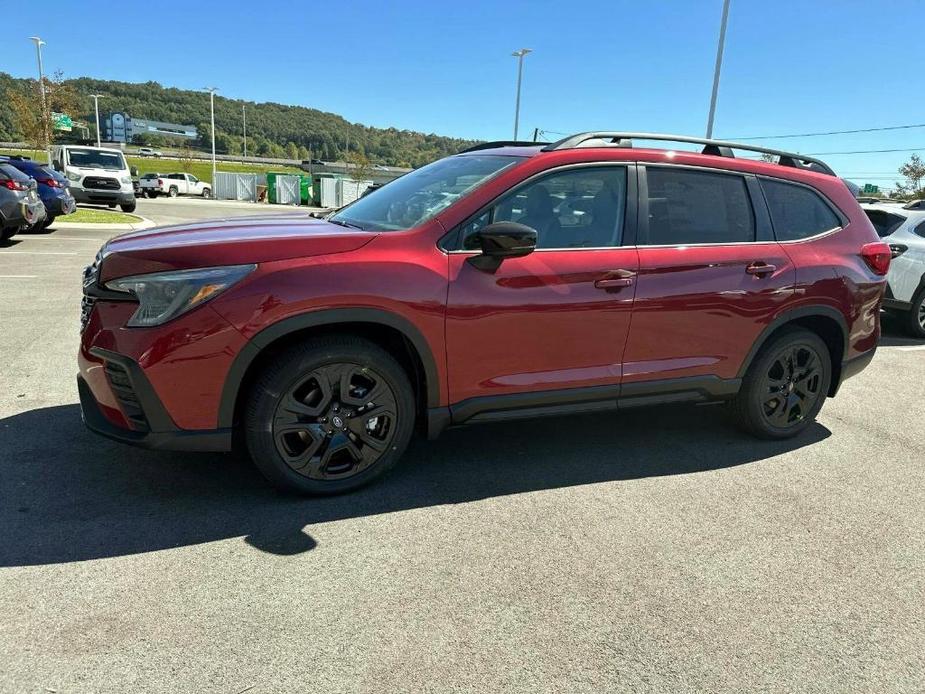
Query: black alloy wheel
x=335 y=421
x=785 y=386
x=329 y=415
x=792 y=385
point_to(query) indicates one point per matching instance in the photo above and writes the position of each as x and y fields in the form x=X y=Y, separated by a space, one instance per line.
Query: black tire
x=151 y=194
x=6 y=233
x=49 y=220
x=297 y=411
x=173 y=192
x=915 y=317
x=785 y=386
x=128 y=207
x=111 y=206
x=207 y=193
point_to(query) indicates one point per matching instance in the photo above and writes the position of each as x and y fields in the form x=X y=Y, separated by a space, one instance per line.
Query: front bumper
x=147 y=423
x=106 y=197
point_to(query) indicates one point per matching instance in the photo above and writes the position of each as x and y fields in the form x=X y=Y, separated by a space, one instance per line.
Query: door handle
x=616 y=280
x=760 y=269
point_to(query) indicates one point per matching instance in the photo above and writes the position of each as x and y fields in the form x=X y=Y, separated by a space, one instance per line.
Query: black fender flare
x=785 y=317
x=314 y=319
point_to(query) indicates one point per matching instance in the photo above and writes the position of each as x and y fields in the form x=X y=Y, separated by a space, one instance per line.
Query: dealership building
x=120 y=127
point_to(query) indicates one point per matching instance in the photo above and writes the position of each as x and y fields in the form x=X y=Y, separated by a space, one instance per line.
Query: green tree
x=914 y=171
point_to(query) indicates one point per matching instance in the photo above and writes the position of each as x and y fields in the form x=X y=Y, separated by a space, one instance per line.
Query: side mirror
x=502 y=240
x=134 y=171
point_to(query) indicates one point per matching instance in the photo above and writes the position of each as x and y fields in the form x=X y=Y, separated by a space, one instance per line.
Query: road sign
x=870 y=188
x=62 y=121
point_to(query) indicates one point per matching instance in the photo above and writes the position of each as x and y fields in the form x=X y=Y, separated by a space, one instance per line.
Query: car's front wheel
x=329 y=415
x=785 y=386
x=207 y=192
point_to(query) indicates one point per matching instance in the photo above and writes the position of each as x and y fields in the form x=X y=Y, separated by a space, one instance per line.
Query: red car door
x=710 y=278
x=555 y=319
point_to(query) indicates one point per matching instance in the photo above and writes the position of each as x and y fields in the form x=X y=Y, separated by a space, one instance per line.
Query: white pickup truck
x=173 y=185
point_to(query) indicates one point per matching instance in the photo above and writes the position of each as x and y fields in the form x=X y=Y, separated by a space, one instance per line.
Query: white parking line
x=56 y=238
x=911 y=348
x=18 y=277
x=3 y=253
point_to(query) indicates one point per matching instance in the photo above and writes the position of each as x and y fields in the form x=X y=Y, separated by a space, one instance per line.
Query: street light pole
x=719 y=65
x=212 y=91
x=519 y=54
x=244 y=115
x=38 y=52
x=96 y=107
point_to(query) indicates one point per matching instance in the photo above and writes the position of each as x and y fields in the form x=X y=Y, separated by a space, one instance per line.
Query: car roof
x=893 y=208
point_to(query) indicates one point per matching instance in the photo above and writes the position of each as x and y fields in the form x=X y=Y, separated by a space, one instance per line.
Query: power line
x=831 y=132
x=866 y=151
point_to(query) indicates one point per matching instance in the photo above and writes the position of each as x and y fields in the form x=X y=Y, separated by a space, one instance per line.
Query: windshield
x=417 y=196
x=96 y=159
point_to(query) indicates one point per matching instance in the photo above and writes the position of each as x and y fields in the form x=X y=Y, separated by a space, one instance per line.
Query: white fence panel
x=329 y=192
x=287 y=190
x=349 y=190
x=233 y=186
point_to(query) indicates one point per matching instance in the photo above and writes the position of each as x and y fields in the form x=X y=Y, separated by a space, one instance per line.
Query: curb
x=145 y=223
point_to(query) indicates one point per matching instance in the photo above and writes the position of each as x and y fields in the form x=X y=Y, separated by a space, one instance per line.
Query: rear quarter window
x=8 y=171
x=797 y=212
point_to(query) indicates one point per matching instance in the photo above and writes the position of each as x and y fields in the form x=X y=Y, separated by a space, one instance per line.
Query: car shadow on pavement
x=69 y=495
x=894 y=334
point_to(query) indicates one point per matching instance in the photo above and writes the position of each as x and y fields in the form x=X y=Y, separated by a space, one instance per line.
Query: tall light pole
x=244 y=115
x=212 y=91
x=519 y=54
x=718 y=67
x=96 y=107
x=38 y=53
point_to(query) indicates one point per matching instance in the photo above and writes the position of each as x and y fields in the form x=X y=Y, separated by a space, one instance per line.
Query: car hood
x=237 y=241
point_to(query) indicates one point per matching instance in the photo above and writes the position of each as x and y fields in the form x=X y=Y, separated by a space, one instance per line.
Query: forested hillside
x=272 y=129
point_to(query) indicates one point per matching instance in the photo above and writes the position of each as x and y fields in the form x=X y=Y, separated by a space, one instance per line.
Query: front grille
x=86 y=308
x=122 y=388
x=101 y=183
x=90 y=276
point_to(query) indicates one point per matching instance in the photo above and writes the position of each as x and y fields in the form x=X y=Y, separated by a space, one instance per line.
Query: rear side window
x=688 y=207
x=10 y=172
x=796 y=211
x=884 y=222
x=920 y=229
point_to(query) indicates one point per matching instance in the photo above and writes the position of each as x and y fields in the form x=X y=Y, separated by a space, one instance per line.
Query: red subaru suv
x=513 y=279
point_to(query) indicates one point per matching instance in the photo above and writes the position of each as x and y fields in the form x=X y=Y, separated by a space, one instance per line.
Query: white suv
x=903 y=227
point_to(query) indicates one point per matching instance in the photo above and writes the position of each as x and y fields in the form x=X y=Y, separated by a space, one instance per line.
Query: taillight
x=160 y=182
x=50 y=182
x=14 y=185
x=877 y=255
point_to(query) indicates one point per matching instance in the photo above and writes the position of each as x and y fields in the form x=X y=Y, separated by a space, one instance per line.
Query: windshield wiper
x=341 y=222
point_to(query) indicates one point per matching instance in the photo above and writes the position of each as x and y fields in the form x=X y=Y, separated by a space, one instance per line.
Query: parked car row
x=32 y=196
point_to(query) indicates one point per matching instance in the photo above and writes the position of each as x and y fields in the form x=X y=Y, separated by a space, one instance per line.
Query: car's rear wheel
x=49 y=220
x=152 y=194
x=6 y=233
x=785 y=387
x=329 y=415
x=173 y=192
x=915 y=317
x=128 y=207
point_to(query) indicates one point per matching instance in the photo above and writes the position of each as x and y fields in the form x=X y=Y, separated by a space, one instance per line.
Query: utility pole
x=519 y=54
x=45 y=115
x=244 y=115
x=96 y=108
x=718 y=67
x=536 y=134
x=212 y=91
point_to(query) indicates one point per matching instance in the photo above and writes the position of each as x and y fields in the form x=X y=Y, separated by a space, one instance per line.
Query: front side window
x=796 y=211
x=418 y=196
x=688 y=207
x=578 y=208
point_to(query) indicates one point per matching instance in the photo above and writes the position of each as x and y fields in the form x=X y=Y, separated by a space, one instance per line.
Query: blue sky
x=790 y=67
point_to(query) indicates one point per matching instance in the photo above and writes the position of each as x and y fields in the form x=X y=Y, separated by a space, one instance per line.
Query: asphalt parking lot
x=658 y=550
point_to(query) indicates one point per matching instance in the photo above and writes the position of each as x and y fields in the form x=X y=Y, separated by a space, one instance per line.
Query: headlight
x=166 y=295
x=126 y=179
x=73 y=175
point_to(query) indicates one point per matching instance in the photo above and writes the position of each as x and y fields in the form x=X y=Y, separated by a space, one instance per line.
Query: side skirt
x=549 y=403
